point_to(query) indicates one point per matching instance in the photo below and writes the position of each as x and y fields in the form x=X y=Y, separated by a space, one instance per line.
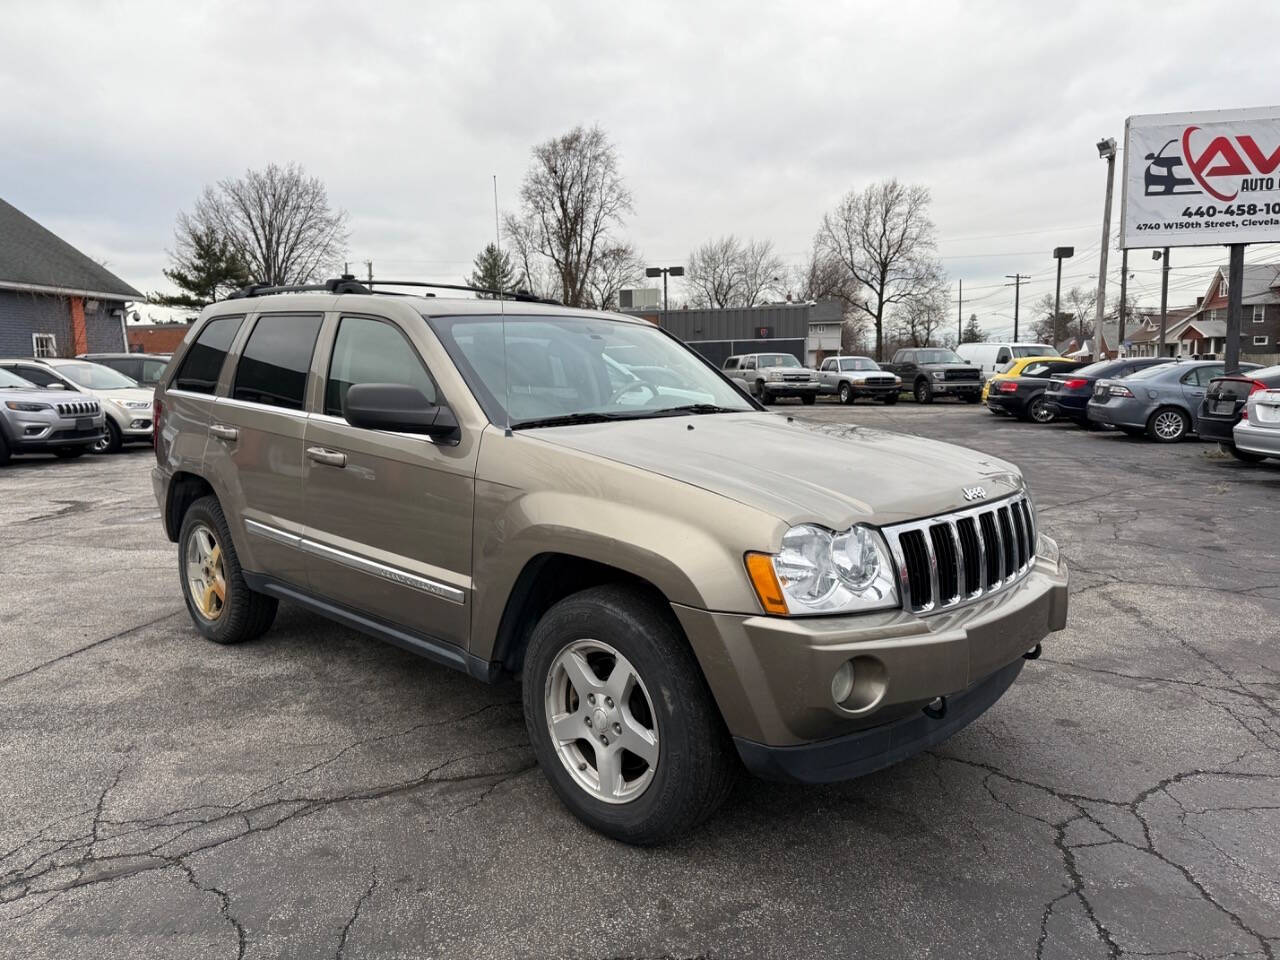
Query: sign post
x=1201 y=179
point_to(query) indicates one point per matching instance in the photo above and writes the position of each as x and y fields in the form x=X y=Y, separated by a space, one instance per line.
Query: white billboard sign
x=1194 y=179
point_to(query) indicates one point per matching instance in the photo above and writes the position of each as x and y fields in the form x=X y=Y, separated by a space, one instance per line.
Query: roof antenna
x=502 y=312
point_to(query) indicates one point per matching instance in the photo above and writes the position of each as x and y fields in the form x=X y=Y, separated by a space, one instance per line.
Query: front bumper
x=38 y=431
x=959 y=388
x=771 y=676
x=781 y=388
x=1254 y=439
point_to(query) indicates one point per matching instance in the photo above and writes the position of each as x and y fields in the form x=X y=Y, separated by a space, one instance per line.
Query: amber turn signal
x=765 y=581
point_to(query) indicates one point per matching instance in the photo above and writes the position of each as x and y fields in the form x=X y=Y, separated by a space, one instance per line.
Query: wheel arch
x=185 y=488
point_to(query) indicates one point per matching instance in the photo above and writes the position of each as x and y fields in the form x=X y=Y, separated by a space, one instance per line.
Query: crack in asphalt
x=88 y=646
x=355 y=915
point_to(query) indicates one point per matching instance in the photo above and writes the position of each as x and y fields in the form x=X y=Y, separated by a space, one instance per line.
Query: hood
x=859 y=376
x=50 y=398
x=791 y=370
x=832 y=474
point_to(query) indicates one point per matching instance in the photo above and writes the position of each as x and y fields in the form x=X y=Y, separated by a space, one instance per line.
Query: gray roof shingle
x=30 y=254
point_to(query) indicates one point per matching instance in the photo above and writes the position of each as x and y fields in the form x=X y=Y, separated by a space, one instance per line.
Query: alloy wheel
x=1040 y=411
x=1169 y=425
x=205 y=573
x=602 y=722
x=846 y=395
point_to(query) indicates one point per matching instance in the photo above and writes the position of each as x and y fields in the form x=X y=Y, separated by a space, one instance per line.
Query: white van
x=995 y=358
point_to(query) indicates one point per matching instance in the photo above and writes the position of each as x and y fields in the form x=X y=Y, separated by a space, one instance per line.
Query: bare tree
x=883 y=237
x=1047 y=328
x=1080 y=302
x=918 y=321
x=276 y=221
x=730 y=273
x=572 y=196
x=615 y=267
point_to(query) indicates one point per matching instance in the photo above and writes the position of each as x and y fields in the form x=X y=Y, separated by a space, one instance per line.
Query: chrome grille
x=953 y=559
x=78 y=408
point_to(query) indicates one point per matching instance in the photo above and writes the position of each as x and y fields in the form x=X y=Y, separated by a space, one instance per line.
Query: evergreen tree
x=972 y=332
x=493 y=271
x=205 y=267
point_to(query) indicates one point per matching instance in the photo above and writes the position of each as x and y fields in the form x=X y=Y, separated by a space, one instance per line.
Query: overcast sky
x=736 y=117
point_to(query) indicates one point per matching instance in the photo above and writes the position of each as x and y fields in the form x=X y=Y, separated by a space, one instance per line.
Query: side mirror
x=56 y=386
x=398 y=407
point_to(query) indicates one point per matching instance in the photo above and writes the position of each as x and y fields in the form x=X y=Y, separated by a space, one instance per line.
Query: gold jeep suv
x=686 y=583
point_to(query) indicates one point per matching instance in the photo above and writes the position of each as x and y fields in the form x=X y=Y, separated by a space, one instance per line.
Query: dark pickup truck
x=930 y=372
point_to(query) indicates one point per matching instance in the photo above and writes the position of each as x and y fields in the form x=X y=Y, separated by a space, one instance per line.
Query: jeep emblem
x=975 y=493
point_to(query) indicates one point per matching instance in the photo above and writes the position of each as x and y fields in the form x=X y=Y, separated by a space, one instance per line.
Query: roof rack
x=347 y=283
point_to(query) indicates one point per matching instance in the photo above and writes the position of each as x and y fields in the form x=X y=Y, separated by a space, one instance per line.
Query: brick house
x=54 y=300
x=1205 y=330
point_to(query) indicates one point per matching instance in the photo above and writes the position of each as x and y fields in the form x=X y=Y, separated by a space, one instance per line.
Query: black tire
x=245 y=614
x=890 y=399
x=696 y=766
x=70 y=453
x=923 y=392
x=5 y=455
x=113 y=440
x=808 y=399
x=846 y=394
x=1038 y=410
x=1158 y=432
x=1244 y=456
x=763 y=394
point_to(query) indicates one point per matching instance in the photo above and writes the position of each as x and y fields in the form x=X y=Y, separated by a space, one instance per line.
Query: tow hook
x=936 y=708
x=1033 y=653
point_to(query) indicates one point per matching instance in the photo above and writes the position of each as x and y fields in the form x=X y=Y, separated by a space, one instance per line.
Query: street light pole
x=664 y=272
x=1107 y=152
x=1059 y=254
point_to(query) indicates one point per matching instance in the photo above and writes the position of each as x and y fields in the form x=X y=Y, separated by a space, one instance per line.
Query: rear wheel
x=111 y=440
x=1243 y=456
x=1039 y=410
x=1168 y=425
x=620 y=718
x=924 y=392
x=846 y=393
x=222 y=606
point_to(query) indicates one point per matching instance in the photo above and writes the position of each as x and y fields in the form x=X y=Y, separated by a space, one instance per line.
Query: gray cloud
x=739 y=117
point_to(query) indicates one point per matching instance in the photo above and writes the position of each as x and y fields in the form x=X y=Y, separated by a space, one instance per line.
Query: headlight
x=939 y=375
x=26 y=407
x=820 y=571
x=773 y=375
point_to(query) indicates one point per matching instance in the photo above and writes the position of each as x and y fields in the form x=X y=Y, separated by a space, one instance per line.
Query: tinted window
x=372 y=351
x=152 y=370
x=273 y=365
x=40 y=376
x=203 y=362
x=731 y=363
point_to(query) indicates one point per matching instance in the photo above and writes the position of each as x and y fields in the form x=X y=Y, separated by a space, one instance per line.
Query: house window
x=1213 y=316
x=1258 y=313
x=44 y=345
x=1259 y=341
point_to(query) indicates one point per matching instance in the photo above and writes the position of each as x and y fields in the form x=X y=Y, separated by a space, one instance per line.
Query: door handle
x=224 y=432
x=329 y=458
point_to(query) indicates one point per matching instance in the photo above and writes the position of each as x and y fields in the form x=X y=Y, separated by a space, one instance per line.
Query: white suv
x=126 y=405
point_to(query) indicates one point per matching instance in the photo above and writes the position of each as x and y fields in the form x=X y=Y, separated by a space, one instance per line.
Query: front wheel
x=846 y=393
x=924 y=392
x=620 y=718
x=111 y=440
x=1168 y=425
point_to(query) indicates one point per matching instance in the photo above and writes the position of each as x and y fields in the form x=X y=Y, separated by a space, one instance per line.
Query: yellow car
x=1017 y=366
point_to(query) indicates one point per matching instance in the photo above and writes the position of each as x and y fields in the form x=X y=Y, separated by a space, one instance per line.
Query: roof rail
x=347 y=283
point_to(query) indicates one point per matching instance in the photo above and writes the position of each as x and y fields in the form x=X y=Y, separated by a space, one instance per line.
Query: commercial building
x=810 y=332
x=54 y=300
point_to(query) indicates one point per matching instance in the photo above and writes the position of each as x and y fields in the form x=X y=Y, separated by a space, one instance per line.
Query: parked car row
x=71 y=407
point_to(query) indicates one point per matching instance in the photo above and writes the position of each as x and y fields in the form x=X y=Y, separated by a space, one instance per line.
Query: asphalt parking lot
x=320 y=794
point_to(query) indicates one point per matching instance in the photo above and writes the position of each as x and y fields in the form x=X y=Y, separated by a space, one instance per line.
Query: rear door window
x=366 y=350
x=274 y=363
x=202 y=365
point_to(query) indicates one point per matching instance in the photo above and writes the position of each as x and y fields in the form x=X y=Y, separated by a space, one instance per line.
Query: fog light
x=842 y=682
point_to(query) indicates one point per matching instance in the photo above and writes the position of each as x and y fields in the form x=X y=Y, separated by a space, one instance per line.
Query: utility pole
x=1059 y=254
x=960 y=316
x=1107 y=152
x=1124 y=304
x=1163 y=255
x=1017 y=279
x=1235 y=281
x=369 y=266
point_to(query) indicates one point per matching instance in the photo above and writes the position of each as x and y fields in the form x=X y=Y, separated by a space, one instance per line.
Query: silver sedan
x=1159 y=401
x=1258 y=432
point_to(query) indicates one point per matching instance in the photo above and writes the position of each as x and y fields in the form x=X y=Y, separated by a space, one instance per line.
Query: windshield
x=938 y=356
x=569 y=367
x=1035 y=350
x=777 y=360
x=94 y=376
x=11 y=381
x=858 y=363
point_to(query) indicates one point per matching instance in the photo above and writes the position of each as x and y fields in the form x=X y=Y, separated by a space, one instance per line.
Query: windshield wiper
x=692 y=408
x=569 y=419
